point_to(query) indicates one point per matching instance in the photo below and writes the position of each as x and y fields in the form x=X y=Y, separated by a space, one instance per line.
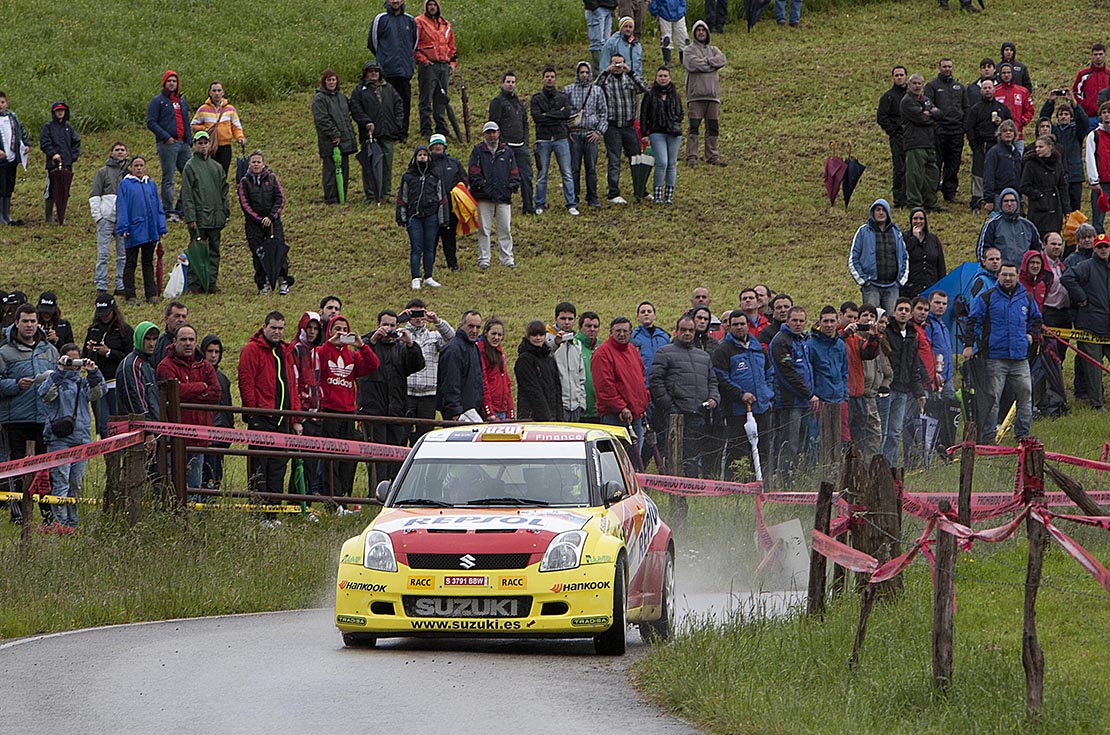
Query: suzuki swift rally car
x=511 y=530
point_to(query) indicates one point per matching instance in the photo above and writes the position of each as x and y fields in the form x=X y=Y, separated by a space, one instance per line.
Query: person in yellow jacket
x=220 y=119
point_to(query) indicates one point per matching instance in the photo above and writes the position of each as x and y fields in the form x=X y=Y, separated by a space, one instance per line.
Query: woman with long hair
x=925 y=253
x=497 y=402
x=1044 y=185
x=539 y=395
x=661 y=119
x=262 y=200
x=141 y=222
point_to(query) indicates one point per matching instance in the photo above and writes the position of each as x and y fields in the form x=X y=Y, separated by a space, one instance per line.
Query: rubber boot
x=49 y=210
x=692 y=149
x=658 y=197
x=668 y=195
x=713 y=151
x=667 y=56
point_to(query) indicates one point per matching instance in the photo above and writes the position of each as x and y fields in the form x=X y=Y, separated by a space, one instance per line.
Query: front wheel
x=652 y=631
x=612 y=641
x=359 y=640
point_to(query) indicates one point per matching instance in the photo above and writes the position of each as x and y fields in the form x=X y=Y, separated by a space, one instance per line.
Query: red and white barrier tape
x=69 y=455
x=1081 y=555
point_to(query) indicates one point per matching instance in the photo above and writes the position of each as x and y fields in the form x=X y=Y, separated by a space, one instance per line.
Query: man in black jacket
x=494 y=177
x=981 y=125
x=385 y=391
x=909 y=376
x=551 y=109
x=379 y=114
x=889 y=118
x=1088 y=285
x=682 y=381
x=948 y=95
x=919 y=119
x=451 y=174
x=459 y=381
x=511 y=116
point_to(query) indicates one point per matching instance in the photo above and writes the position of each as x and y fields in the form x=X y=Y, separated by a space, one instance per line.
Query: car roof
x=528 y=432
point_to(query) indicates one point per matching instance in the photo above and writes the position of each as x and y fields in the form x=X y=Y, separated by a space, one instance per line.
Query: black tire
x=612 y=642
x=359 y=640
x=654 y=631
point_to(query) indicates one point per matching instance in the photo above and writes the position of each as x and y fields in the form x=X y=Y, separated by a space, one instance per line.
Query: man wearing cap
x=167 y=116
x=378 y=114
x=205 y=207
x=58 y=331
x=451 y=174
x=493 y=179
x=511 y=114
x=625 y=43
x=102 y=204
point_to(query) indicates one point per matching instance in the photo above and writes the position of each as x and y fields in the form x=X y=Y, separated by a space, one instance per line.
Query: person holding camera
x=621 y=86
x=384 y=392
x=341 y=364
x=67 y=394
x=25 y=359
x=108 y=340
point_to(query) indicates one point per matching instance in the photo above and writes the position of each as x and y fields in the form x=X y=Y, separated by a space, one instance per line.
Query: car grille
x=476 y=561
x=421 y=606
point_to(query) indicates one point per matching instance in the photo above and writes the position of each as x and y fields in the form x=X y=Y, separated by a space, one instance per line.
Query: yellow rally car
x=511 y=530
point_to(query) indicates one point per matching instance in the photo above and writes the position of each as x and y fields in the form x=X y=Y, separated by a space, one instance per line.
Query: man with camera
x=25 y=359
x=431 y=334
x=622 y=87
x=384 y=392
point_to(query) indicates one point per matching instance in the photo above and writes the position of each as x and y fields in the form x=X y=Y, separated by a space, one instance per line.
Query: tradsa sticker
x=554 y=521
x=350 y=620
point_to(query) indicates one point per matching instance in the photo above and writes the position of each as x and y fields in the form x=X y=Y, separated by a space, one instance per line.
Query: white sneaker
x=342 y=511
x=416 y=284
x=573 y=211
x=617 y=200
x=539 y=211
x=432 y=282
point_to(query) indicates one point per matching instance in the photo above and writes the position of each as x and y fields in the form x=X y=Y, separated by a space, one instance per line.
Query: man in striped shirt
x=622 y=90
x=432 y=335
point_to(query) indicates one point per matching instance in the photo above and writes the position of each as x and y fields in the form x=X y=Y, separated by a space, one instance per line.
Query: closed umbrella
x=370 y=158
x=199 y=264
x=642 y=164
x=60 y=179
x=753 y=9
x=852 y=173
x=241 y=164
x=272 y=255
x=440 y=95
x=337 y=158
x=835 y=168
x=158 y=273
x=465 y=96
x=752 y=430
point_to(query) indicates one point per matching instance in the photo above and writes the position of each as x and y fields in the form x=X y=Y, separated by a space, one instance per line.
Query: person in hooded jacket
x=1011 y=233
x=393 y=39
x=703 y=63
x=331 y=114
x=661 y=124
x=62 y=146
x=745 y=383
x=167 y=116
x=220 y=119
x=587 y=100
x=878 y=260
x=108 y=340
x=1008 y=55
x=925 y=254
x=451 y=173
x=384 y=392
x=1034 y=277
x=497 y=404
x=340 y=368
x=136 y=381
x=538 y=393
x=1044 y=184
x=262 y=200
x=197 y=383
x=102 y=204
x=1070 y=129
x=420 y=204
x=13 y=147
x=1002 y=166
x=67 y=394
x=378 y=113
x=306 y=362
x=141 y=223
x=205 y=208
x=212 y=473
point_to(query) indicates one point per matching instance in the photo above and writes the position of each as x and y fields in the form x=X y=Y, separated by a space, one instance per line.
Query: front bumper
x=521 y=602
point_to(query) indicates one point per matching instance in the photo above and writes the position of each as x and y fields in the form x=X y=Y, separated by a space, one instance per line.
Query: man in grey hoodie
x=102 y=204
x=1011 y=233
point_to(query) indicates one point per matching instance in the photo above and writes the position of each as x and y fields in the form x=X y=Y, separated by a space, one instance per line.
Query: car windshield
x=488 y=482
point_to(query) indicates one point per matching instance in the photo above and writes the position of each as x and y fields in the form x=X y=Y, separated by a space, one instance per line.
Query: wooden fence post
x=944 y=593
x=815 y=602
x=967 y=472
x=178 y=458
x=1075 y=492
x=679 y=507
x=1032 y=657
x=885 y=512
x=867 y=601
x=852 y=489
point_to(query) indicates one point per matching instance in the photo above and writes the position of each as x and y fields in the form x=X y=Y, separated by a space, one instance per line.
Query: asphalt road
x=288 y=672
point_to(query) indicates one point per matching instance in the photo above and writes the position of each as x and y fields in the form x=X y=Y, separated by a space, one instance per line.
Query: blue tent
x=957 y=284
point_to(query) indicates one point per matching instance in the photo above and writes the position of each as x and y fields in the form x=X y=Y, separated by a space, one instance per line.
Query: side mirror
x=613 y=492
x=381 y=492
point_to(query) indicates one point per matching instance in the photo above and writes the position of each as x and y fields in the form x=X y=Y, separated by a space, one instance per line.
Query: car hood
x=462 y=520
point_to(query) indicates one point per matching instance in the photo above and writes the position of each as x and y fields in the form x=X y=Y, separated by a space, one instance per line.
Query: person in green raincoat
x=205 y=205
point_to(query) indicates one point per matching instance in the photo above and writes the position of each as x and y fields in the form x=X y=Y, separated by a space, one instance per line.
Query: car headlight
x=379 y=553
x=564 y=551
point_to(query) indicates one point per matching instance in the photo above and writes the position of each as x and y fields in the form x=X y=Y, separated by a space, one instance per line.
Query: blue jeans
x=172 y=157
x=561 y=148
x=665 y=147
x=900 y=403
x=599 y=26
x=795 y=11
x=422 y=244
x=1014 y=373
x=105 y=237
x=65 y=482
x=194 y=470
x=583 y=151
x=884 y=297
x=1098 y=219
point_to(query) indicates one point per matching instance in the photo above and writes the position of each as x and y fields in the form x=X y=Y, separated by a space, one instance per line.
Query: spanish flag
x=465 y=208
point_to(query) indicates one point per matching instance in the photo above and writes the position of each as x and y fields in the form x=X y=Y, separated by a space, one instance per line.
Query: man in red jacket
x=436 y=56
x=340 y=368
x=1017 y=101
x=1090 y=81
x=618 y=376
x=197 y=384
x=268 y=380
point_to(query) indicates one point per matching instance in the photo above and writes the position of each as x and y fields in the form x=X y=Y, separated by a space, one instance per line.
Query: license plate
x=467 y=607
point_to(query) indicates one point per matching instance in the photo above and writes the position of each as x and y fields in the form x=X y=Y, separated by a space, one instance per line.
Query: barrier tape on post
x=50 y=499
x=1102 y=522
x=248 y=507
x=274 y=440
x=1075 y=335
x=69 y=455
x=1081 y=555
x=895 y=566
x=693 y=487
x=844 y=555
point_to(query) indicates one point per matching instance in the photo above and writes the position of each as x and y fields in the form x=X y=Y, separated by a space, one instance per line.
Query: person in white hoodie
x=102 y=204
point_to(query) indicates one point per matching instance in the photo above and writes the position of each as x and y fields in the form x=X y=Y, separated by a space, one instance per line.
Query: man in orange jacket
x=435 y=56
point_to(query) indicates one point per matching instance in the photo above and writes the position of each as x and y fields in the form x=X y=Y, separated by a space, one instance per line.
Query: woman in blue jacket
x=141 y=222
